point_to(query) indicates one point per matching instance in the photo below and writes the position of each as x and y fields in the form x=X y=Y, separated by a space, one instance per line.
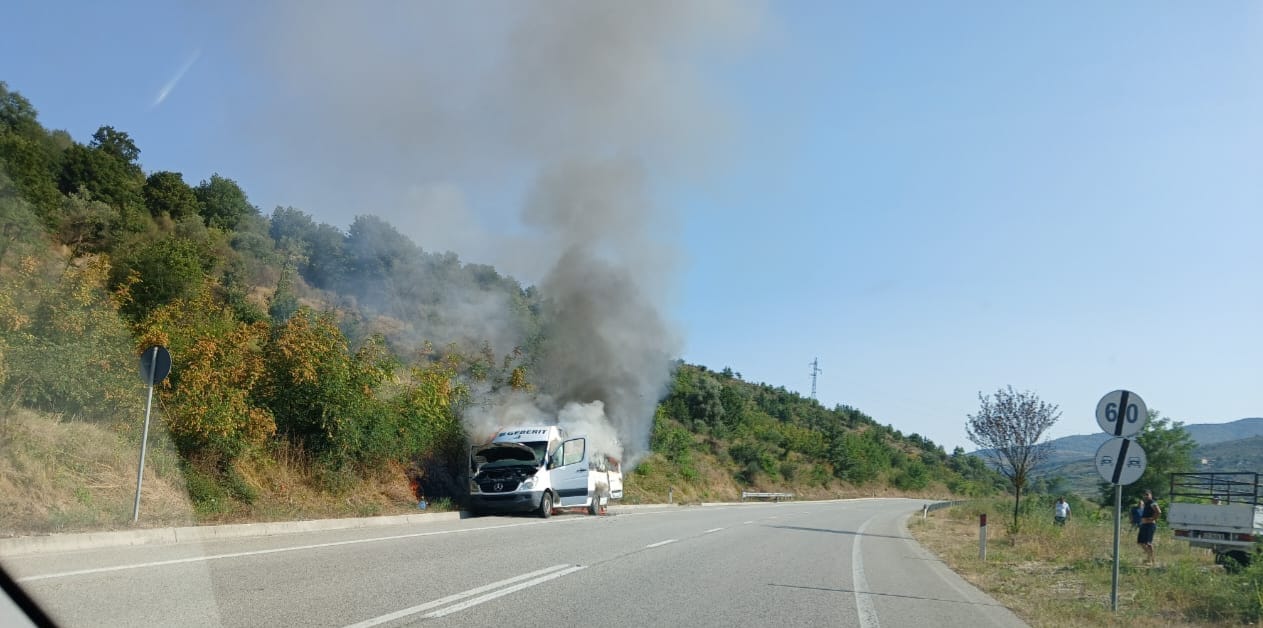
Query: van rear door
x=616 y=479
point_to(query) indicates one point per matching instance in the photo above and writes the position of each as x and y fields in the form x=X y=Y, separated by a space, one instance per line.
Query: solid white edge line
x=194 y=559
x=712 y=530
x=502 y=592
x=863 y=602
x=452 y=598
x=746 y=523
x=660 y=543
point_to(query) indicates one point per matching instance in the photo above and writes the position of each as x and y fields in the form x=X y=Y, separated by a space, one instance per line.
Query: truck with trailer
x=540 y=469
x=1222 y=512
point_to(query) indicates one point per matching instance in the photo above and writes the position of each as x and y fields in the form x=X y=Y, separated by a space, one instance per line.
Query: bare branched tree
x=1008 y=428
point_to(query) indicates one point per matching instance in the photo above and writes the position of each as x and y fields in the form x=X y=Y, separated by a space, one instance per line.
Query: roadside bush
x=208 y=497
x=217 y=364
x=75 y=352
x=325 y=397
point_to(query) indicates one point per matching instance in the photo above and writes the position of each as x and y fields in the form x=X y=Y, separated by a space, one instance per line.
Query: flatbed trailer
x=1222 y=512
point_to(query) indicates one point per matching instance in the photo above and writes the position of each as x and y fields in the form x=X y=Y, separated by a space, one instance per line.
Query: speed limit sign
x=1121 y=413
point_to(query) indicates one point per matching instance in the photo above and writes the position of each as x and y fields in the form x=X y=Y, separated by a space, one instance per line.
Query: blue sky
x=935 y=199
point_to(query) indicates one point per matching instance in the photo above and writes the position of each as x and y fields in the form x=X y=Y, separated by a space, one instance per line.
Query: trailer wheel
x=546 y=505
x=1235 y=561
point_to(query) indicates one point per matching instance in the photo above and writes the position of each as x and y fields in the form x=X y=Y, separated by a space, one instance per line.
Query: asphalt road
x=842 y=563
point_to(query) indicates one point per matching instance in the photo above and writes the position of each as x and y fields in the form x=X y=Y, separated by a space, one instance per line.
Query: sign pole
x=1120 y=461
x=144 y=438
x=1118 y=526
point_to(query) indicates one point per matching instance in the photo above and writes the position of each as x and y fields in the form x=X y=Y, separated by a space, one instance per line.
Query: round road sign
x=1120 y=461
x=155 y=360
x=1121 y=413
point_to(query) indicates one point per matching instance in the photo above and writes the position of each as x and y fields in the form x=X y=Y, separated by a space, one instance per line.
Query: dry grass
x=61 y=476
x=69 y=476
x=1053 y=576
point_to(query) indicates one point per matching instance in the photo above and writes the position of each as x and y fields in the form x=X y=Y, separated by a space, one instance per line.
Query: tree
x=167 y=194
x=108 y=169
x=223 y=203
x=16 y=112
x=1008 y=428
x=19 y=227
x=168 y=269
x=1168 y=449
x=33 y=172
x=117 y=144
x=84 y=223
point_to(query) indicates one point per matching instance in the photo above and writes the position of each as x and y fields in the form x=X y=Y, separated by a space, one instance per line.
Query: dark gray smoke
x=427 y=112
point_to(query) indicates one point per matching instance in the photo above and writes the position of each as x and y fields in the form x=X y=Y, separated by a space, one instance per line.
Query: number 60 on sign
x=1121 y=413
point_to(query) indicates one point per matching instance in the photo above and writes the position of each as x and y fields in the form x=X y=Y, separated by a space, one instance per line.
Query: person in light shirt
x=1061 y=511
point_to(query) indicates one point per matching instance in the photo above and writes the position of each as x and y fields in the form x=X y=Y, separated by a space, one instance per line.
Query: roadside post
x=982 y=536
x=155 y=365
x=1120 y=461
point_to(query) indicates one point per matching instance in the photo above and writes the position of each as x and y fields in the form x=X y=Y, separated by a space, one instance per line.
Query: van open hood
x=497 y=452
x=503 y=454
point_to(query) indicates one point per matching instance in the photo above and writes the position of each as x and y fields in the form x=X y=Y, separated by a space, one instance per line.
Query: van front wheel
x=546 y=505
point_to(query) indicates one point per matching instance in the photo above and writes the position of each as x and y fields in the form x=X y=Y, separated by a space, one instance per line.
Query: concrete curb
x=74 y=541
x=169 y=536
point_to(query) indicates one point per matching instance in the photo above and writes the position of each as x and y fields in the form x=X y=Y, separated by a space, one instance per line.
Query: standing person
x=1061 y=510
x=1148 y=524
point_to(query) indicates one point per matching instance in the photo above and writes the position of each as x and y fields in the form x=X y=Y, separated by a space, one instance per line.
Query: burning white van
x=540 y=469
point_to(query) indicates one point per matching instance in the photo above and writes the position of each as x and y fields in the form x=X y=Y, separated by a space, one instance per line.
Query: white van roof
x=529 y=434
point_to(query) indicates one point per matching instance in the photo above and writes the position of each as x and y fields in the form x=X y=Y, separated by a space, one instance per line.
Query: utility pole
x=815 y=370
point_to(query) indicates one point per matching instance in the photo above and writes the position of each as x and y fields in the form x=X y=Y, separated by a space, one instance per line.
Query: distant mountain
x=1211 y=433
x=1243 y=454
x=1235 y=446
x=1204 y=434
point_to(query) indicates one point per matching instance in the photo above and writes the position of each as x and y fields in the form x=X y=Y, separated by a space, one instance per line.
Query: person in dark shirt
x=1148 y=525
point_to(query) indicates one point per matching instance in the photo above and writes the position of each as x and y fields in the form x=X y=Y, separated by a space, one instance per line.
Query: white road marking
x=746 y=523
x=194 y=559
x=712 y=530
x=660 y=543
x=863 y=601
x=459 y=596
x=503 y=592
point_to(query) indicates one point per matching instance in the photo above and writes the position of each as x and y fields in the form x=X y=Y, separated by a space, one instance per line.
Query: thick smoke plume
x=581 y=106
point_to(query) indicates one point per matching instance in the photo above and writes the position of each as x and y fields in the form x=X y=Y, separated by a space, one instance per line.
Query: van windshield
x=512 y=454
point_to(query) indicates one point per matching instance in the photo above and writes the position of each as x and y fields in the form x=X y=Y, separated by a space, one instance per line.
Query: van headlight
x=473 y=487
x=528 y=483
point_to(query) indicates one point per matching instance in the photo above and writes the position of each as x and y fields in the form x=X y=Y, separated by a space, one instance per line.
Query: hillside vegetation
x=317 y=371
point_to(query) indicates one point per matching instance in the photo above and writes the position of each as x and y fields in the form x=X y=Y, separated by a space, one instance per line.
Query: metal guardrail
x=776 y=497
